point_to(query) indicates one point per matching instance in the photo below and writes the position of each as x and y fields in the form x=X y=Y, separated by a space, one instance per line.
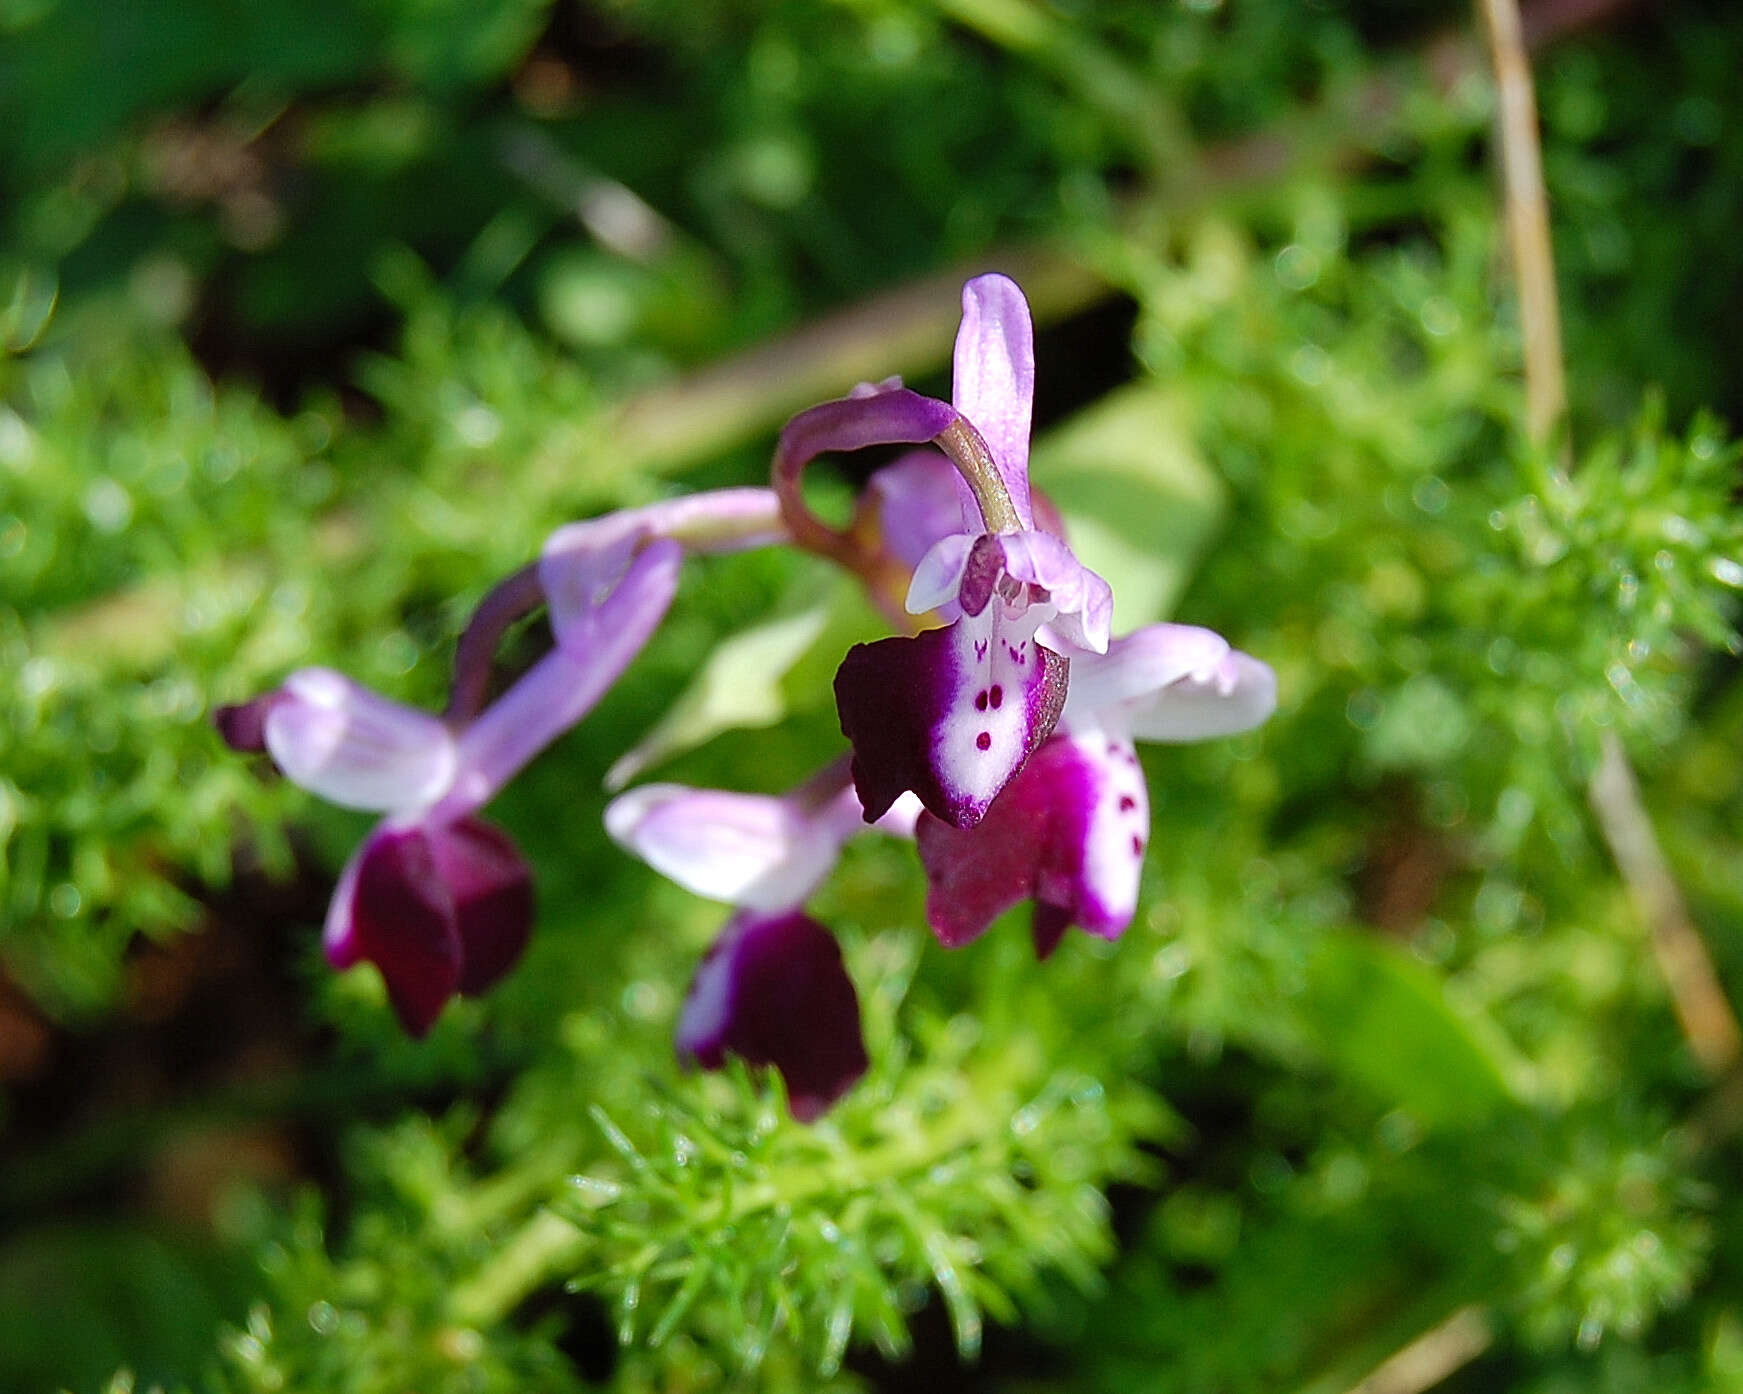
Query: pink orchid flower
x=953 y=713
x=439 y=900
x=772 y=989
x=1069 y=832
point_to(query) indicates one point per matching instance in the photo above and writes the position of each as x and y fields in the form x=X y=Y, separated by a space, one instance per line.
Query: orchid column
x=953 y=713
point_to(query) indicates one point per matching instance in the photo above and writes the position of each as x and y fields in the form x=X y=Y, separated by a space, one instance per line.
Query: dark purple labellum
x=895 y=697
x=1041 y=840
x=438 y=910
x=492 y=887
x=402 y=921
x=774 y=991
x=242 y=726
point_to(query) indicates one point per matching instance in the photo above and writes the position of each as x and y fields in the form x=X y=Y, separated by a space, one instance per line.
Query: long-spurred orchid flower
x=772 y=989
x=439 y=900
x=951 y=714
x=1069 y=832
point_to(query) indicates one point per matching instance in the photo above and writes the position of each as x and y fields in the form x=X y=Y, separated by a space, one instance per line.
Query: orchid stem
x=512 y=598
x=545 y=1247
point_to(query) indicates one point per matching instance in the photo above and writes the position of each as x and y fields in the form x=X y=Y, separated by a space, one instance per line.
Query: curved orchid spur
x=439 y=900
x=951 y=714
x=1069 y=832
x=772 y=988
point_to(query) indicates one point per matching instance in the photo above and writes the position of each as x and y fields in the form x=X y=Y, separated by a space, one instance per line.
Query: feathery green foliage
x=305 y=344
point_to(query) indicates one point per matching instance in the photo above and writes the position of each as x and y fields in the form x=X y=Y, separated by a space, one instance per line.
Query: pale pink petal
x=937 y=579
x=1236 y=695
x=903 y=815
x=752 y=850
x=1139 y=665
x=355 y=748
x=994 y=381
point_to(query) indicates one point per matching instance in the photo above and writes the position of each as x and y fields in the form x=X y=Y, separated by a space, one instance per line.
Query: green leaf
x=1140 y=502
x=1385 y=1023
x=79 y=1300
x=755 y=678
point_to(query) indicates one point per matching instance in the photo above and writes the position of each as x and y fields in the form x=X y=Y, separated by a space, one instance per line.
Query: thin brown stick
x=1527 y=220
x=1698 y=998
x=1432 y=1356
x=1695 y=992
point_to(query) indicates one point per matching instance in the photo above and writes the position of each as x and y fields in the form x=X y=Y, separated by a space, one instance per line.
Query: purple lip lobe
x=916 y=711
x=773 y=991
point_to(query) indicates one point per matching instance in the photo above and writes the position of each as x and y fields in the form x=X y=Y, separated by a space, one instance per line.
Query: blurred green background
x=315 y=320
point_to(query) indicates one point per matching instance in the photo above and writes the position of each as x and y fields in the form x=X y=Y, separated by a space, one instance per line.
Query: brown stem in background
x=1527 y=213
x=1696 y=993
x=907 y=330
x=1433 y=1355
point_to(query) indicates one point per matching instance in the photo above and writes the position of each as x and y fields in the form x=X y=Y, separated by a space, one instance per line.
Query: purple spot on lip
x=996 y=696
x=980 y=701
x=984 y=740
x=1137 y=845
x=1127 y=803
x=980 y=647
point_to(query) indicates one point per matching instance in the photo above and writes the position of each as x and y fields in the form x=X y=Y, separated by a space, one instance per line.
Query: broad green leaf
x=1140 y=503
x=1385 y=1023
x=738 y=686
x=757 y=677
x=78 y=1300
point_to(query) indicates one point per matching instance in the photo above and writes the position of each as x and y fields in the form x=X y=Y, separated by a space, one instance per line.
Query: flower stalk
x=509 y=601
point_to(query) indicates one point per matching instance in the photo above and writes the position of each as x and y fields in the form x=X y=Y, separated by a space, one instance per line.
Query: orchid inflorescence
x=997 y=732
